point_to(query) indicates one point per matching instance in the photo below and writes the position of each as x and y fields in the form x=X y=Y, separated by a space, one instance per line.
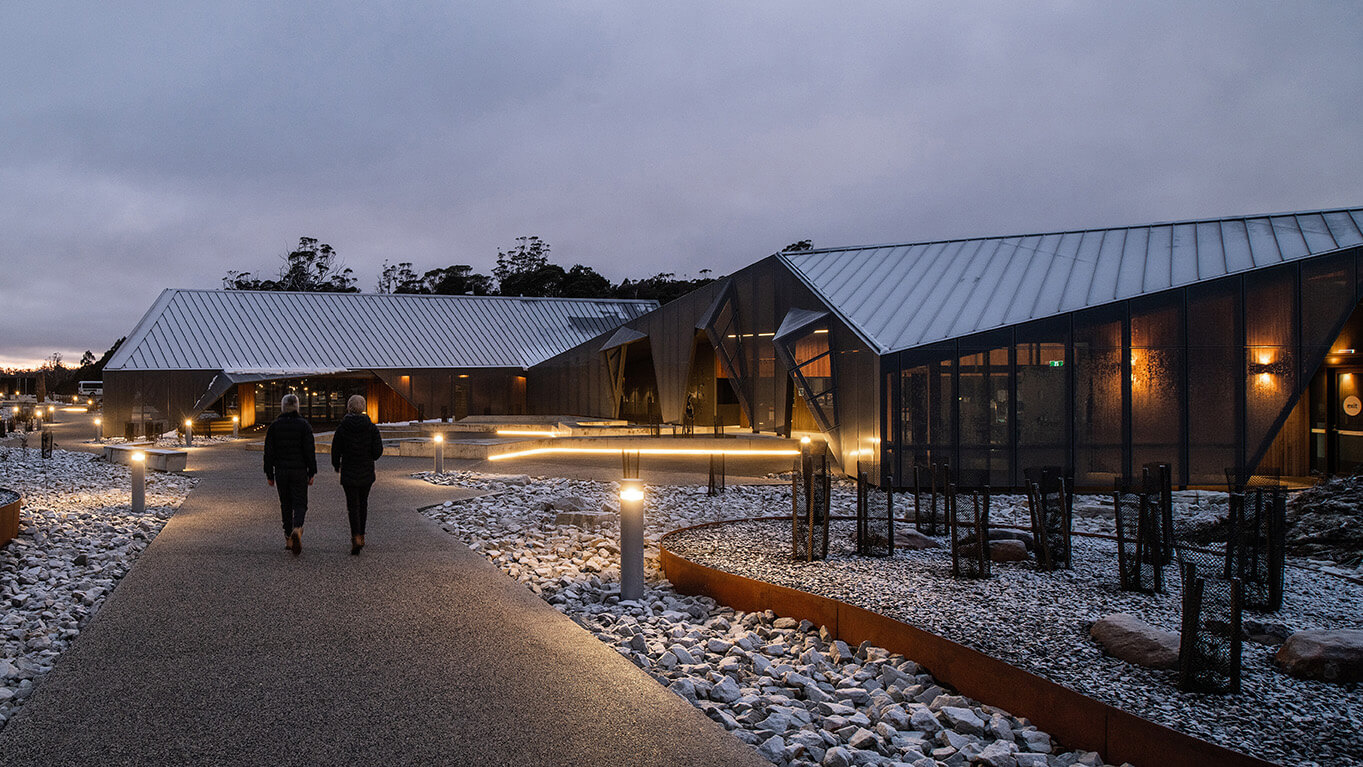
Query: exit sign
x=1056 y=363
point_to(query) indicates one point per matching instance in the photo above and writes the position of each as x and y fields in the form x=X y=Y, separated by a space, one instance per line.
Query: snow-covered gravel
x=77 y=538
x=783 y=686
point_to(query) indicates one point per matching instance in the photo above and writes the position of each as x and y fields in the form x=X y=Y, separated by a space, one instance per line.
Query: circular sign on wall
x=1353 y=405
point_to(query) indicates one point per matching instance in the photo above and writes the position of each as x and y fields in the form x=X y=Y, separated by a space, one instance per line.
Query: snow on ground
x=783 y=686
x=77 y=538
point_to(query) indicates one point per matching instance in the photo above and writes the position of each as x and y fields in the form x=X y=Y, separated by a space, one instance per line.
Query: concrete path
x=220 y=648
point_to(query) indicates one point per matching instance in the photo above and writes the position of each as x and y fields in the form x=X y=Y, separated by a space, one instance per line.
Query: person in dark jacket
x=290 y=465
x=354 y=448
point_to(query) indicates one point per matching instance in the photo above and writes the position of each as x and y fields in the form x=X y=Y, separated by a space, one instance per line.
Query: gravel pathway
x=77 y=538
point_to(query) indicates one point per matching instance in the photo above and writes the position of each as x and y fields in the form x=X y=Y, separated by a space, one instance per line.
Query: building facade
x=1224 y=348
x=236 y=353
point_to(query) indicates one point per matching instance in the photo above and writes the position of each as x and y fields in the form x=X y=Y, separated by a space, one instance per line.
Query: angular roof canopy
x=902 y=296
x=281 y=334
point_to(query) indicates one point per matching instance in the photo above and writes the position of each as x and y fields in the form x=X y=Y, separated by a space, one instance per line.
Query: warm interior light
x=1265 y=358
x=642 y=451
x=463 y=375
x=526 y=433
x=139 y=456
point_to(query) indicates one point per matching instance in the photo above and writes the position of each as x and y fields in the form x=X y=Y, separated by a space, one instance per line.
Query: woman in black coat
x=354 y=448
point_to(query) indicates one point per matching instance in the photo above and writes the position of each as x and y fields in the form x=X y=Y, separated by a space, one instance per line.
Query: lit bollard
x=439 y=454
x=189 y=432
x=99 y=430
x=236 y=426
x=51 y=413
x=631 y=539
x=139 y=467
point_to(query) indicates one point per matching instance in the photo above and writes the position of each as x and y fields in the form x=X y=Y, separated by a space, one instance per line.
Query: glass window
x=1098 y=397
x=1043 y=396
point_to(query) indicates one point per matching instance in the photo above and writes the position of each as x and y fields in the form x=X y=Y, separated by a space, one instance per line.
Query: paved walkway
x=220 y=648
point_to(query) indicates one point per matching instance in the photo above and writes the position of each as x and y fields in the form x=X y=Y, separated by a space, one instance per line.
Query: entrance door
x=1346 y=422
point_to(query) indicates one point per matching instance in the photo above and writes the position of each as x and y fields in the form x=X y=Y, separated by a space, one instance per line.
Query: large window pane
x=1157 y=371
x=1214 y=363
x=1098 y=398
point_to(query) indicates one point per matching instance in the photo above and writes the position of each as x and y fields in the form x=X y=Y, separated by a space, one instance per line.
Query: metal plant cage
x=1050 y=498
x=717 y=475
x=875 y=517
x=1257 y=546
x=1209 y=648
x=1157 y=479
x=968 y=526
x=1140 y=550
x=929 y=497
x=811 y=488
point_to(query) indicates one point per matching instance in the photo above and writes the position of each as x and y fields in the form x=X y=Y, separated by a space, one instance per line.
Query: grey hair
x=289 y=404
x=355 y=404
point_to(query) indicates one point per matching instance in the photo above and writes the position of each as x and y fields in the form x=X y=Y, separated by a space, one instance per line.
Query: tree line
x=522 y=270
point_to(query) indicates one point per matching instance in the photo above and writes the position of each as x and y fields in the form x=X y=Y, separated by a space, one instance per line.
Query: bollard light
x=189 y=432
x=51 y=413
x=631 y=539
x=439 y=453
x=99 y=429
x=236 y=426
x=139 y=467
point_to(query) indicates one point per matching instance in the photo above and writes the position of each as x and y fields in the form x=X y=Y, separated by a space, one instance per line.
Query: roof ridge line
x=1061 y=232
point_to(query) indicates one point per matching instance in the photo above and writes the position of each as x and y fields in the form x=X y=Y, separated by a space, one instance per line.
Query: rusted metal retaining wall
x=1075 y=720
x=9 y=517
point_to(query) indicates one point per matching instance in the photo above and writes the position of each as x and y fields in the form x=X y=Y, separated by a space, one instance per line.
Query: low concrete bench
x=159 y=459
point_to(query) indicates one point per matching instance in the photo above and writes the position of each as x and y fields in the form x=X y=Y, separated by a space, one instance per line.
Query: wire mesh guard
x=1158 y=482
x=929 y=501
x=968 y=526
x=717 y=476
x=1140 y=556
x=1257 y=549
x=1209 y=648
x=810 y=494
x=1050 y=497
x=875 y=517
x=49 y=440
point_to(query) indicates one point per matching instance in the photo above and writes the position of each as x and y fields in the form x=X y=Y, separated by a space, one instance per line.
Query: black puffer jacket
x=354 y=448
x=288 y=445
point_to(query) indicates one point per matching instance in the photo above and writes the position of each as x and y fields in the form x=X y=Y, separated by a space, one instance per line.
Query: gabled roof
x=242 y=331
x=902 y=296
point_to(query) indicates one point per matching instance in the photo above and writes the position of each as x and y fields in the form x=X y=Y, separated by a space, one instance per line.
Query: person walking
x=290 y=465
x=354 y=449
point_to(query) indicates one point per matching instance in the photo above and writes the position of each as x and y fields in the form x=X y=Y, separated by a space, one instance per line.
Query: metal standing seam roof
x=902 y=296
x=306 y=333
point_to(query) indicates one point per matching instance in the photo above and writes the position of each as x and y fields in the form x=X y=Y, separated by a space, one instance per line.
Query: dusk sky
x=151 y=145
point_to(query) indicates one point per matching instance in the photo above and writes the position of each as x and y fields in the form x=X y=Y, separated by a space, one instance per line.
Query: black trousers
x=357 y=506
x=292 y=485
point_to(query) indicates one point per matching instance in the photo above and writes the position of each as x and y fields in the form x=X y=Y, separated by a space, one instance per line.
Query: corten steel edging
x=1074 y=719
x=9 y=519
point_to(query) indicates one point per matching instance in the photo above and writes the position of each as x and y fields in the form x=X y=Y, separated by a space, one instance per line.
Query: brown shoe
x=296 y=541
x=355 y=545
x=288 y=541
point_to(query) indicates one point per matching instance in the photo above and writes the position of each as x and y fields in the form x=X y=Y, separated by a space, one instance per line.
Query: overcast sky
x=150 y=145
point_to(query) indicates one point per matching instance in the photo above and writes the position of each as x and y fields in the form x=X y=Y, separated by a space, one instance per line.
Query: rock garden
x=77 y=536
x=784 y=686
